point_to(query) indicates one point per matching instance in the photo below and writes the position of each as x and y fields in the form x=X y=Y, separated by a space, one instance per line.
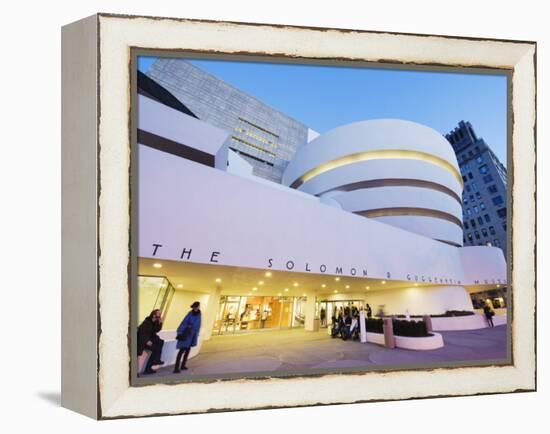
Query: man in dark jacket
x=148 y=339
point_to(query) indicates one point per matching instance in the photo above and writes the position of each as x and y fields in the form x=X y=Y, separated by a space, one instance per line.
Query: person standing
x=187 y=335
x=488 y=315
x=369 y=311
x=323 y=317
x=148 y=339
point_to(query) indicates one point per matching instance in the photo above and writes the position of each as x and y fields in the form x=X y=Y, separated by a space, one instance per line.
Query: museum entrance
x=329 y=308
x=239 y=314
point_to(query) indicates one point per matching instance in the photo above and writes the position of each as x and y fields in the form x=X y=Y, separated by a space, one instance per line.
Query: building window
x=487 y=218
x=468 y=188
x=504 y=225
x=470 y=153
x=471 y=197
x=466 y=225
x=482 y=205
x=488 y=178
x=479 y=159
x=470 y=176
x=492 y=230
x=497 y=200
x=476 y=233
x=484 y=232
x=465 y=201
x=468 y=211
x=473 y=223
x=470 y=238
x=483 y=169
x=478 y=195
x=492 y=189
x=474 y=185
x=480 y=221
x=502 y=213
x=476 y=209
x=496 y=242
x=464 y=178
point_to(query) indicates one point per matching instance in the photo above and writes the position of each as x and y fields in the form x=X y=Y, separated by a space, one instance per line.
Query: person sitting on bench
x=148 y=339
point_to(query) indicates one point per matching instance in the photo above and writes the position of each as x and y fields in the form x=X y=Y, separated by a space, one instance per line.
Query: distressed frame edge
x=80 y=217
x=529 y=385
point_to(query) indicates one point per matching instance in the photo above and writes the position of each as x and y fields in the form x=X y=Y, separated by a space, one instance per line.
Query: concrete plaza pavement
x=297 y=350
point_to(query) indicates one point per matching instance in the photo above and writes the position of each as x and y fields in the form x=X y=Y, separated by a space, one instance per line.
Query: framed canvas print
x=261 y=216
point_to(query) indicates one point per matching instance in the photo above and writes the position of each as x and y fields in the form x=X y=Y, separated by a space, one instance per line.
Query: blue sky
x=324 y=97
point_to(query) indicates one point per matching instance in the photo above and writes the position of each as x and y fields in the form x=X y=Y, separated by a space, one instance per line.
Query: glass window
x=487 y=218
x=487 y=178
x=492 y=230
x=480 y=221
x=472 y=197
x=465 y=200
x=466 y=225
x=470 y=238
x=473 y=223
x=496 y=242
x=468 y=188
x=492 y=189
x=476 y=209
x=470 y=176
x=482 y=205
x=483 y=169
x=502 y=212
x=497 y=200
x=468 y=211
x=484 y=232
x=464 y=178
x=504 y=225
x=479 y=159
x=476 y=233
x=478 y=195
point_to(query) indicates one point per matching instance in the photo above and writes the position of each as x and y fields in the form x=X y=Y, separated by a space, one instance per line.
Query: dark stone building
x=484 y=196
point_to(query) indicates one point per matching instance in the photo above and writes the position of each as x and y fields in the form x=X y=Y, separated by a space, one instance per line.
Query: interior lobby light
x=279 y=294
x=383 y=282
x=268 y=274
x=295 y=283
x=337 y=279
x=347 y=286
x=261 y=282
x=254 y=289
x=416 y=284
x=286 y=289
x=157 y=265
x=335 y=291
x=323 y=286
x=218 y=280
x=179 y=286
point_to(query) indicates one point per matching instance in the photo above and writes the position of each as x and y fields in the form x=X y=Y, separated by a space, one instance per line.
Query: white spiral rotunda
x=397 y=172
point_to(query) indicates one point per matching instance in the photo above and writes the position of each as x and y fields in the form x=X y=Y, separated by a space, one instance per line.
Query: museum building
x=369 y=212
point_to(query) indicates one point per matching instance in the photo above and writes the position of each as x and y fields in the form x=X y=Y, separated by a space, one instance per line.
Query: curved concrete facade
x=395 y=171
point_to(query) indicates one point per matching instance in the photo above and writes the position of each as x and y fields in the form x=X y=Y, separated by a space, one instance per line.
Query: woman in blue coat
x=187 y=335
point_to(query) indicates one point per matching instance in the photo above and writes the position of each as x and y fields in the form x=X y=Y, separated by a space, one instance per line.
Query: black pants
x=490 y=321
x=156 y=351
x=182 y=352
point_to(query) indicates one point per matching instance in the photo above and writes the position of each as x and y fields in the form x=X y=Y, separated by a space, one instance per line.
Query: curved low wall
x=470 y=322
x=409 y=343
